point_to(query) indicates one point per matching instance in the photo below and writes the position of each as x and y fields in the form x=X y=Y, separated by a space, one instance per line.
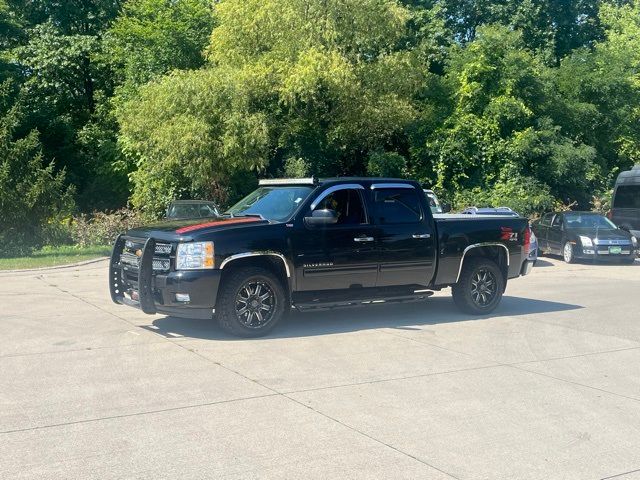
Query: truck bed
x=457 y=234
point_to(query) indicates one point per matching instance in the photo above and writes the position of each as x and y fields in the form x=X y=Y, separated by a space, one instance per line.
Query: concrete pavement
x=547 y=387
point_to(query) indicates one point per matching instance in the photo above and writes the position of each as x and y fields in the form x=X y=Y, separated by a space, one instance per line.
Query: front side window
x=348 y=206
x=272 y=203
x=397 y=206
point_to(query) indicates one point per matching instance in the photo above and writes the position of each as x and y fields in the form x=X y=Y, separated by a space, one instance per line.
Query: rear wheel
x=251 y=302
x=480 y=286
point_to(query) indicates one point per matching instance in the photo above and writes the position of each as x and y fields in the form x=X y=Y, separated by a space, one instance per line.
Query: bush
x=32 y=194
x=102 y=228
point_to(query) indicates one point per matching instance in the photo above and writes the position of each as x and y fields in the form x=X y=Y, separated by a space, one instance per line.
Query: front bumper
x=155 y=292
x=604 y=252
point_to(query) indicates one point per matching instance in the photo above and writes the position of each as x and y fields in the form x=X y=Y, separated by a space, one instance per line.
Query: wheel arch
x=498 y=252
x=272 y=261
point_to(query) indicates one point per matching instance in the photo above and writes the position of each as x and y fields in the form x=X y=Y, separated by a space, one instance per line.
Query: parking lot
x=547 y=387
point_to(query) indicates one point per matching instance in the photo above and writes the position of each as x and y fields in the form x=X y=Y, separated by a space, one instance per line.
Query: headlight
x=634 y=240
x=195 y=256
x=586 y=241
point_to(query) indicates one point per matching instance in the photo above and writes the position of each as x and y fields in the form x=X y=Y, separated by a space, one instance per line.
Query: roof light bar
x=287 y=181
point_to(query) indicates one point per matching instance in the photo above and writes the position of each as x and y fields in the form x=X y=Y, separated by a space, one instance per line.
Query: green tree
x=32 y=194
x=152 y=37
x=319 y=80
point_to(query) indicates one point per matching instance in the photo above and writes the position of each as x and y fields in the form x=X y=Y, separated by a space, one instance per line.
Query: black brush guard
x=145 y=276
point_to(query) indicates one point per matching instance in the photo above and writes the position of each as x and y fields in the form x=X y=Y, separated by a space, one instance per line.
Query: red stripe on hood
x=198 y=226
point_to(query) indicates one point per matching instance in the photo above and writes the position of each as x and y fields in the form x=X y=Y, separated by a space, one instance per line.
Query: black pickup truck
x=314 y=244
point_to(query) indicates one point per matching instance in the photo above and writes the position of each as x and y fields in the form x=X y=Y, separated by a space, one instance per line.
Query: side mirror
x=446 y=208
x=321 y=217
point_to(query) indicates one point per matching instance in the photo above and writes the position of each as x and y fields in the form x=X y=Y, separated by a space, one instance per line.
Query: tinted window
x=546 y=220
x=557 y=221
x=397 y=205
x=347 y=204
x=627 y=196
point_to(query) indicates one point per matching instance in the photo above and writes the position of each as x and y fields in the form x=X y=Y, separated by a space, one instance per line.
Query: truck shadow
x=401 y=316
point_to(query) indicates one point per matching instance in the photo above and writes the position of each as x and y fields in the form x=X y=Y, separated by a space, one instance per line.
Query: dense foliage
x=522 y=103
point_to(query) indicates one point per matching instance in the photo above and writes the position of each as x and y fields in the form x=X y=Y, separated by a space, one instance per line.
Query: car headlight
x=586 y=241
x=634 y=241
x=195 y=256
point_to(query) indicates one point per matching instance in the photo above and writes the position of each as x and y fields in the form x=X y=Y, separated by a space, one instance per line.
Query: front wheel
x=251 y=302
x=480 y=287
x=567 y=253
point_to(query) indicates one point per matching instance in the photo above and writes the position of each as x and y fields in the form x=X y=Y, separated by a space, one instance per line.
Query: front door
x=338 y=256
x=405 y=238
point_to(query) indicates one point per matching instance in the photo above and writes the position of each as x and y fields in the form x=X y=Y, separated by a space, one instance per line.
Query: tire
x=480 y=287
x=251 y=302
x=567 y=253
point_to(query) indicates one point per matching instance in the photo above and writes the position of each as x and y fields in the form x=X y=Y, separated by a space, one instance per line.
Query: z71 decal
x=507 y=233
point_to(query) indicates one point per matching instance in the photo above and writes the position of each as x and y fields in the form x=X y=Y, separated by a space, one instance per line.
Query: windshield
x=191 y=210
x=433 y=203
x=273 y=203
x=577 y=220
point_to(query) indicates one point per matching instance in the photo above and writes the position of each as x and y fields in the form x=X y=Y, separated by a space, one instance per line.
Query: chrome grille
x=163 y=249
x=130 y=255
x=614 y=242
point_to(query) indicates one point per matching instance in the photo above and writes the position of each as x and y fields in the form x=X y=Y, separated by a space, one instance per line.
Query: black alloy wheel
x=251 y=301
x=255 y=304
x=480 y=286
x=483 y=287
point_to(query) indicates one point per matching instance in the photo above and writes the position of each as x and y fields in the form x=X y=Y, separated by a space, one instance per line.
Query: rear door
x=542 y=230
x=404 y=234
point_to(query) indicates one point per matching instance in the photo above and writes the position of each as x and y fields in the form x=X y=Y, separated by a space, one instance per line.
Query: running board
x=316 y=305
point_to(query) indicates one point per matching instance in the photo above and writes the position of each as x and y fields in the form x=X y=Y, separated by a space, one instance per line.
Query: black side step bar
x=325 y=305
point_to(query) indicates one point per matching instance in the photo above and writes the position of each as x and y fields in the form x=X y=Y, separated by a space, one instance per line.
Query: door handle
x=421 y=235
x=363 y=239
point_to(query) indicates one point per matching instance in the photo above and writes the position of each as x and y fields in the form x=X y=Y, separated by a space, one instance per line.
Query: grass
x=53 y=256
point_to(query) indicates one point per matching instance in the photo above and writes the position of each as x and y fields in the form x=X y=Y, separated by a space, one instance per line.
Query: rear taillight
x=610 y=215
x=527 y=238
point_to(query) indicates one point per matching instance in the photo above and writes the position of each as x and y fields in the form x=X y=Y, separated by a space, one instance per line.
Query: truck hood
x=182 y=229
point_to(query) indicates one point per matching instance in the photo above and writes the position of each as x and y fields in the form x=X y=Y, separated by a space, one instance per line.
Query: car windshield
x=272 y=203
x=433 y=203
x=191 y=210
x=588 y=220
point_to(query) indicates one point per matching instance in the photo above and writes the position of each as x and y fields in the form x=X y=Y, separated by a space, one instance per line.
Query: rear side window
x=397 y=205
x=627 y=196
